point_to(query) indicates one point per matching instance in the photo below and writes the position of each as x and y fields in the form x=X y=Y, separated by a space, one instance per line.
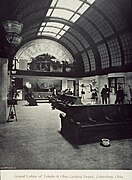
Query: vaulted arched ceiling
x=98 y=33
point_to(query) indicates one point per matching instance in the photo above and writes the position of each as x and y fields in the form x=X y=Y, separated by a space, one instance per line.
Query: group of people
x=120 y=95
x=105 y=95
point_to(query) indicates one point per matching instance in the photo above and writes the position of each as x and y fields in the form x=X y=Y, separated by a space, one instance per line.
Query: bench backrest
x=100 y=113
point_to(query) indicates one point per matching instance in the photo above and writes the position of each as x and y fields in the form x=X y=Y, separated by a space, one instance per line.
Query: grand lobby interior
x=56 y=56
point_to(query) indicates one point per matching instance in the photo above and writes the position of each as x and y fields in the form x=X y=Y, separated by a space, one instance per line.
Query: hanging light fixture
x=14 y=38
x=13 y=29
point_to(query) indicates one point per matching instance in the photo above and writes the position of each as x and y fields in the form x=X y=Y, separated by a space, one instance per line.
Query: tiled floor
x=34 y=143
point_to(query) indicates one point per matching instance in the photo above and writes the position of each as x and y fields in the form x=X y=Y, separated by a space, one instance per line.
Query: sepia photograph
x=66 y=89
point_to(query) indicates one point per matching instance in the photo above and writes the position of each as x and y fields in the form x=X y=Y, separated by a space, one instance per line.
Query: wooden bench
x=42 y=97
x=61 y=102
x=90 y=123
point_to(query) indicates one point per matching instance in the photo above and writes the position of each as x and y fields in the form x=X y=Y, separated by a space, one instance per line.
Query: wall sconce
x=13 y=29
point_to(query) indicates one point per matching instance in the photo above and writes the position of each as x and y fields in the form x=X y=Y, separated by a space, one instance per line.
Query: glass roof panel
x=39 y=33
x=48 y=33
x=53 y=3
x=90 y=1
x=62 y=13
x=75 y=18
x=41 y=28
x=62 y=32
x=51 y=29
x=55 y=24
x=58 y=36
x=66 y=27
x=83 y=8
x=43 y=24
x=59 y=9
x=70 y=45
x=49 y=12
x=69 y=4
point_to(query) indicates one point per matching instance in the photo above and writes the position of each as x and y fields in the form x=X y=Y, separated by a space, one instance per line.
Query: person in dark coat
x=30 y=99
x=119 y=96
x=105 y=94
x=94 y=96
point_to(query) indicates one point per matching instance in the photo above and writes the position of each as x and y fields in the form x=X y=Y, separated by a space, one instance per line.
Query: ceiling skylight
x=90 y=1
x=41 y=29
x=69 y=10
x=58 y=36
x=48 y=33
x=66 y=27
x=43 y=24
x=83 y=8
x=51 y=29
x=39 y=33
x=55 y=24
x=69 y=4
x=62 y=32
x=53 y=3
x=49 y=12
x=75 y=18
x=62 y=13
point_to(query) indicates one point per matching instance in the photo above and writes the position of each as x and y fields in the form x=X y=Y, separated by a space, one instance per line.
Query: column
x=77 y=87
x=64 y=84
x=3 y=89
x=23 y=91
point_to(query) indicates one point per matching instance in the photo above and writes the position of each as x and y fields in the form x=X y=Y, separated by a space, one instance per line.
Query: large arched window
x=32 y=50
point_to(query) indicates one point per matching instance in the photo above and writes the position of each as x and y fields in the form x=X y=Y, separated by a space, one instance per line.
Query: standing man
x=105 y=94
x=119 y=96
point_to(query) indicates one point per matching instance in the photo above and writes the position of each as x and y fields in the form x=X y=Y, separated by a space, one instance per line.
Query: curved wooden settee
x=90 y=123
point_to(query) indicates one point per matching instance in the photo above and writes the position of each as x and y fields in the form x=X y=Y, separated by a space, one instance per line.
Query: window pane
x=103 y=56
x=62 y=32
x=41 y=28
x=60 y=25
x=90 y=1
x=43 y=24
x=48 y=34
x=53 y=3
x=66 y=27
x=92 y=60
x=126 y=40
x=39 y=33
x=69 y=4
x=83 y=8
x=51 y=29
x=61 y=13
x=75 y=18
x=58 y=36
x=115 y=52
x=49 y=12
x=86 y=62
